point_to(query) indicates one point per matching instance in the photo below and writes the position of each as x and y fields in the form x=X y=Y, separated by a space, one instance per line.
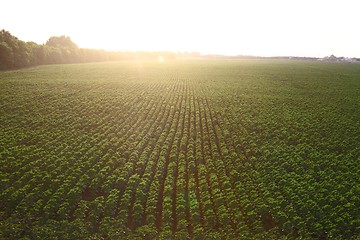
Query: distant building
x=333 y=58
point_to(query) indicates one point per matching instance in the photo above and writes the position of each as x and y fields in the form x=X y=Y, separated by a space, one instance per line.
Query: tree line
x=15 y=53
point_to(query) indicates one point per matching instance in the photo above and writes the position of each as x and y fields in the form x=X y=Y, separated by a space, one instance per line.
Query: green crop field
x=185 y=149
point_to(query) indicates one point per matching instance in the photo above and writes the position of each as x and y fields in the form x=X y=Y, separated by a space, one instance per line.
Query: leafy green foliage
x=184 y=149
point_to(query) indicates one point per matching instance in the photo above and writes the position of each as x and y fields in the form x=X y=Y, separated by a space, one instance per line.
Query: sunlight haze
x=263 y=28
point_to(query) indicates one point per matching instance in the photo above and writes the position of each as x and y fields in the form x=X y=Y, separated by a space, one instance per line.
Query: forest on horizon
x=15 y=53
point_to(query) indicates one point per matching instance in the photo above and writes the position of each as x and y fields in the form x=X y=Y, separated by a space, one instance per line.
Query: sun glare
x=160 y=59
x=260 y=27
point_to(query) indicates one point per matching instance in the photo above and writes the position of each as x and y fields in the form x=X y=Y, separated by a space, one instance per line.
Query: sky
x=313 y=28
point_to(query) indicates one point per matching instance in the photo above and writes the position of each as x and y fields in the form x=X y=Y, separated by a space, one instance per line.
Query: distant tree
x=7 y=44
x=6 y=56
x=39 y=54
x=22 y=55
x=61 y=42
x=64 y=48
x=53 y=55
x=14 y=53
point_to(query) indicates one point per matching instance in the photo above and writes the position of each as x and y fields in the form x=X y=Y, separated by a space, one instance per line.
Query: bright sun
x=160 y=59
x=277 y=28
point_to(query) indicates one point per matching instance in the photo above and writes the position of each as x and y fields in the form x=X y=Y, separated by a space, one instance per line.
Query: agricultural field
x=184 y=149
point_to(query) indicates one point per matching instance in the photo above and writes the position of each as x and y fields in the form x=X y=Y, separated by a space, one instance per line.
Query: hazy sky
x=254 y=27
